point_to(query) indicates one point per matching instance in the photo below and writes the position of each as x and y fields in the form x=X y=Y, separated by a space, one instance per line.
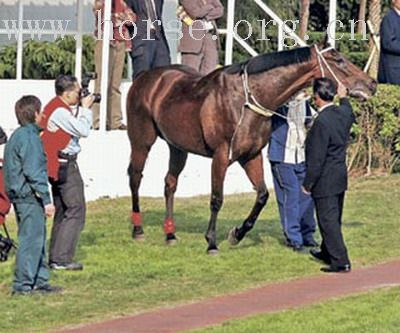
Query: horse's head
x=332 y=64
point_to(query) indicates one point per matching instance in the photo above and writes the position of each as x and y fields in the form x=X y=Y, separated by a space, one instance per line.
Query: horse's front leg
x=177 y=161
x=219 y=166
x=255 y=171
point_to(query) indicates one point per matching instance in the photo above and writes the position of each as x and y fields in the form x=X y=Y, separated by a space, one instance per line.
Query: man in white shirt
x=287 y=157
x=62 y=131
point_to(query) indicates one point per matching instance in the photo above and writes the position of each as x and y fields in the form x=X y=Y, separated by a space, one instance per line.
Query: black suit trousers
x=149 y=54
x=329 y=213
x=69 y=218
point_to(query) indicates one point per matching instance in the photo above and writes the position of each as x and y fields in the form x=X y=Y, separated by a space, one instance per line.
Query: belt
x=62 y=157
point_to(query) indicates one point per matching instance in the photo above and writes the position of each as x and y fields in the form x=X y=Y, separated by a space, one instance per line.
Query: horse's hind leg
x=142 y=138
x=255 y=172
x=177 y=161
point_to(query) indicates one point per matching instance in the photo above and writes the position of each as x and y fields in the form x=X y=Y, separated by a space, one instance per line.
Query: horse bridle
x=253 y=104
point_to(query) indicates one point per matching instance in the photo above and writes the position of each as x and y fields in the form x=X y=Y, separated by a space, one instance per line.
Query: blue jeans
x=296 y=209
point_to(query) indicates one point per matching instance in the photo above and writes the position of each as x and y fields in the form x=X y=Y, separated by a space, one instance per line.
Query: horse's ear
x=324 y=43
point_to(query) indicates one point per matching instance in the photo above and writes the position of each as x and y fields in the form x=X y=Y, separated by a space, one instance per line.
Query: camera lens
x=96 y=98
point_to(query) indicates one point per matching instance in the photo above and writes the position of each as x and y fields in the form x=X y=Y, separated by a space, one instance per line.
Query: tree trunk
x=304 y=16
x=362 y=16
x=375 y=18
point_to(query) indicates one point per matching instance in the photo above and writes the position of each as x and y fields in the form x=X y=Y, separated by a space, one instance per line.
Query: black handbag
x=6 y=244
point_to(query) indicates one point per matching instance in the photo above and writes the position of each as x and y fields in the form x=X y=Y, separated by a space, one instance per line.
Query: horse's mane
x=268 y=61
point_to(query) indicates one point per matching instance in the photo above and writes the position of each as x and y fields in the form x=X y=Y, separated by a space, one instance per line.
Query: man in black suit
x=149 y=45
x=389 y=61
x=326 y=177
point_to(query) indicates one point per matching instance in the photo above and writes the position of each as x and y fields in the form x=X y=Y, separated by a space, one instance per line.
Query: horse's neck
x=274 y=87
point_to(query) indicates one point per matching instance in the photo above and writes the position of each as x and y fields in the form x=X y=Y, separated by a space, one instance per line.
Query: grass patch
x=375 y=312
x=123 y=277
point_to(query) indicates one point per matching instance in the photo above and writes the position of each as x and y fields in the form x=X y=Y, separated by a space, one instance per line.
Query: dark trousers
x=149 y=54
x=30 y=269
x=329 y=214
x=69 y=218
x=296 y=209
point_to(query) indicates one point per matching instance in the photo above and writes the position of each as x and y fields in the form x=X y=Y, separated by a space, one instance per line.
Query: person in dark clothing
x=149 y=46
x=389 y=61
x=26 y=185
x=326 y=176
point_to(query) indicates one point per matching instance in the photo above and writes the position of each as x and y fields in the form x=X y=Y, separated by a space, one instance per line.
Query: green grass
x=375 y=312
x=123 y=277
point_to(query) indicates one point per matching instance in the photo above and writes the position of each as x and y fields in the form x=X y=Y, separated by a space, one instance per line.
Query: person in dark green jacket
x=25 y=177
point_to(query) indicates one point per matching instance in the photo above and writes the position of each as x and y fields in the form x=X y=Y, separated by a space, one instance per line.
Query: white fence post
x=229 y=32
x=20 y=39
x=104 y=65
x=332 y=22
x=79 y=40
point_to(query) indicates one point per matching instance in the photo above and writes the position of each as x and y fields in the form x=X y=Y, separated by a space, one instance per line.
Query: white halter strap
x=322 y=61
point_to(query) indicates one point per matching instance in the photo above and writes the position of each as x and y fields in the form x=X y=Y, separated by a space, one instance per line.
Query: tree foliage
x=45 y=60
x=376 y=143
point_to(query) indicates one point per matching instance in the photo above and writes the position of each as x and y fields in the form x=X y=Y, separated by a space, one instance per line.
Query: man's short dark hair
x=65 y=83
x=325 y=88
x=26 y=109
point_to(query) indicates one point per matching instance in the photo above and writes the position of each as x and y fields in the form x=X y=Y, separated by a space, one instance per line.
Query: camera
x=85 y=87
x=6 y=244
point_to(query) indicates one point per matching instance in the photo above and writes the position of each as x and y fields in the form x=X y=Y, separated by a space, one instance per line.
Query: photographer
x=26 y=184
x=62 y=131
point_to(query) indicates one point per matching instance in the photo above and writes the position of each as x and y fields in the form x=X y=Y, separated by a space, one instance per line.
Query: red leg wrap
x=136 y=219
x=169 y=226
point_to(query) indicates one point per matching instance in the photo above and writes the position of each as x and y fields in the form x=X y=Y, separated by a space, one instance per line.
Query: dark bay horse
x=225 y=116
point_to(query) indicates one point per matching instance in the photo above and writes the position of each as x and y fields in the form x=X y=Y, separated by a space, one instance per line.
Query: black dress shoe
x=298 y=248
x=73 y=266
x=320 y=256
x=338 y=269
x=47 y=289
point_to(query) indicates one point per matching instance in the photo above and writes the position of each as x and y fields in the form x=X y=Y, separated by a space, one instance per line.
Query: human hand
x=87 y=101
x=342 y=91
x=49 y=210
x=305 y=191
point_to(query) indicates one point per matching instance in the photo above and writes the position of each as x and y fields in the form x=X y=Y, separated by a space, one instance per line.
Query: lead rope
x=321 y=59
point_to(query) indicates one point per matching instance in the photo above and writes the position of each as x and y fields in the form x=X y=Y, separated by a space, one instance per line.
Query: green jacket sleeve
x=34 y=167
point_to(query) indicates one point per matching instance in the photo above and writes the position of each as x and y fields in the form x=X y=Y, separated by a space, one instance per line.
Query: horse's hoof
x=171 y=239
x=212 y=252
x=138 y=233
x=232 y=237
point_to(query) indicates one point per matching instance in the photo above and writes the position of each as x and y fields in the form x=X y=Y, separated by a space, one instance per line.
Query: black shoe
x=121 y=127
x=47 y=289
x=338 y=269
x=310 y=243
x=320 y=256
x=298 y=248
x=22 y=292
x=73 y=266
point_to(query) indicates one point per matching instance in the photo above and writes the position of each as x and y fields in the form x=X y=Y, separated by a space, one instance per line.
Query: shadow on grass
x=353 y=224
x=197 y=224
